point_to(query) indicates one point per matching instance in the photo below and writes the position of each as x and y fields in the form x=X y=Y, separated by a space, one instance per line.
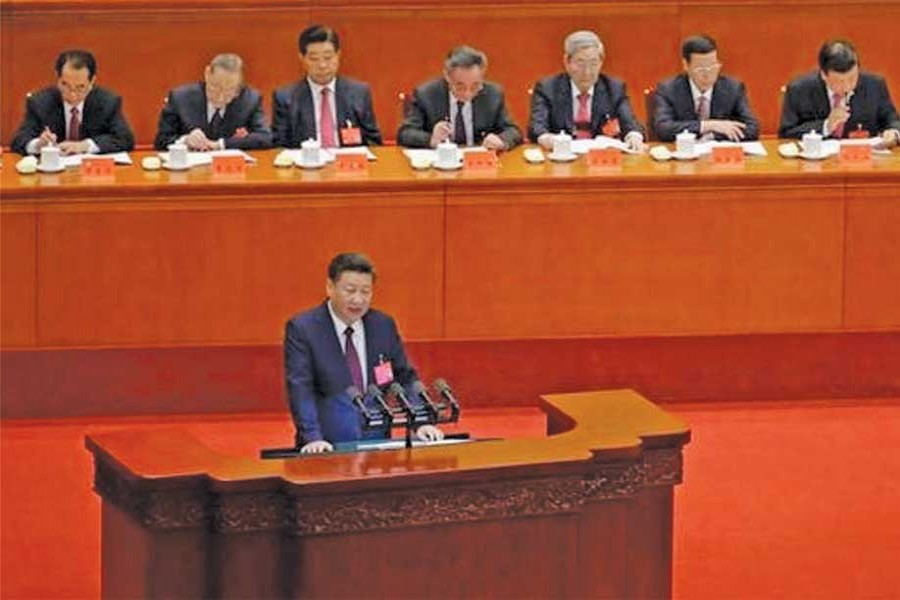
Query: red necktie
x=326 y=121
x=74 y=126
x=839 y=130
x=583 y=118
x=353 y=361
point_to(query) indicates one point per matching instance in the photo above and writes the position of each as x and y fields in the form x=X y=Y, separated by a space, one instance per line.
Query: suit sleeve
x=887 y=113
x=298 y=373
x=281 y=121
x=665 y=123
x=414 y=131
x=744 y=114
x=371 y=135
x=508 y=131
x=259 y=136
x=792 y=124
x=539 y=119
x=169 y=128
x=117 y=136
x=30 y=128
x=627 y=121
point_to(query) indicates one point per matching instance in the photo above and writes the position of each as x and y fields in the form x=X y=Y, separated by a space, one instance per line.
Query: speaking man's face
x=221 y=87
x=74 y=84
x=583 y=67
x=350 y=295
x=465 y=82
x=703 y=69
x=321 y=61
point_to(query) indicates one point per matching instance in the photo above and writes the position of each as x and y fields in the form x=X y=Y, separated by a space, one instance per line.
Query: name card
x=728 y=155
x=604 y=157
x=228 y=165
x=98 y=166
x=351 y=163
x=480 y=160
x=855 y=153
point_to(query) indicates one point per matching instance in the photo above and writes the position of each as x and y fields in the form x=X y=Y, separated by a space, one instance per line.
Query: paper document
x=352 y=150
x=74 y=160
x=601 y=142
x=198 y=159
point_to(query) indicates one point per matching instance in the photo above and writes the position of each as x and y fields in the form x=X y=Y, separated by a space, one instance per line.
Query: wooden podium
x=584 y=512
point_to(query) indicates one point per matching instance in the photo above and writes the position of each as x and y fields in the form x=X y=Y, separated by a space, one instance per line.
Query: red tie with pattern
x=353 y=361
x=583 y=118
x=839 y=130
x=74 y=126
x=326 y=121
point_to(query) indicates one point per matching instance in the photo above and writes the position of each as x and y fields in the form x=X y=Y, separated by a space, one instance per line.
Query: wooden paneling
x=17 y=278
x=873 y=268
x=144 y=49
x=184 y=275
x=661 y=260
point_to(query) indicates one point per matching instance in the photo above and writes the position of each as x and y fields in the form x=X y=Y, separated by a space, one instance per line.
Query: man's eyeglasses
x=706 y=70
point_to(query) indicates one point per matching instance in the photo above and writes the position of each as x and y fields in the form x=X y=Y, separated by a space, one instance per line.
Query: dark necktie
x=74 y=126
x=353 y=360
x=459 y=134
x=215 y=125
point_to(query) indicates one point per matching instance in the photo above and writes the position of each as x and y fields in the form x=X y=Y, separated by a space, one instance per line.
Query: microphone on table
x=444 y=390
x=371 y=419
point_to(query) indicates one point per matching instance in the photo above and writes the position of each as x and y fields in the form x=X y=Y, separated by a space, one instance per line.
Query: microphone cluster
x=395 y=408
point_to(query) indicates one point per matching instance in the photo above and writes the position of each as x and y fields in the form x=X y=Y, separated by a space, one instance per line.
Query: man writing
x=582 y=101
x=839 y=100
x=339 y=344
x=460 y=107
x=701 y=100
x=75 y=114
x=217 y=113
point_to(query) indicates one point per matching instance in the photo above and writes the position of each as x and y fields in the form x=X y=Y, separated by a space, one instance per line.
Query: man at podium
x=336 y=345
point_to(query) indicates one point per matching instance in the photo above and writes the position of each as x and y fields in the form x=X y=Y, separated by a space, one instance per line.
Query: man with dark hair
x=460 y=107
x=217 y=113
x=75 y=113
x=839 y=100
x=338 y=344
x=583 y=101
x=335 y=110
x=701 y=100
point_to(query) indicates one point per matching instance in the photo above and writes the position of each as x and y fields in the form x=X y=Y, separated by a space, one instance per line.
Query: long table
x=181 y=260
x=584 y=512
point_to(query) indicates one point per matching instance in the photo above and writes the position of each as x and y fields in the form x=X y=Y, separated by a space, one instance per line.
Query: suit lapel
x=564 y=97
x=719 y=100
x=58 y=117
x=601 y=105
x=305 y=114
x=232 y=113
x=197 y=109
x=344 y=113
x=686 y=97
x=823 y=104
x=335 y=346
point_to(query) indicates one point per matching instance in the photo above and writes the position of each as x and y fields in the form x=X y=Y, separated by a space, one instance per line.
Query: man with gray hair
x=460 y=107
x=216 y=113
x=582 y=101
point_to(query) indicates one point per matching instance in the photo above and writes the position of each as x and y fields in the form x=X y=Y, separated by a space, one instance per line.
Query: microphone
x=444 y=389
x=374 y=391
x=421 y=392
x=397 y=390
x=371 y=420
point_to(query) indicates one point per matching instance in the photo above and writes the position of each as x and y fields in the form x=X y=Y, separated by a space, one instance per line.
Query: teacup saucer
x=684 y=156
x=171 y=167
x=318 y=165
x=807 y=156
x=44 y=169
x=447 y=167
x=562 y=157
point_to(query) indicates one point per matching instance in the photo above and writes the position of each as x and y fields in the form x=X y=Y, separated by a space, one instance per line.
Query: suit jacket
x=806 y=106
x=295 y=113
x=431 y=104
x=675 y=110
x=317 y=374
x=101 y=121
x=551 y=107
x=185 y=110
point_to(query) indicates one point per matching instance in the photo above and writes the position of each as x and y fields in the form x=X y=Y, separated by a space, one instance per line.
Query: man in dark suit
x=217 y=113
x=338 y=344
x=582 y=101
x=460 y=107
x=335 y=110
x=839 y=100
x=702 y=101
x=76 y=114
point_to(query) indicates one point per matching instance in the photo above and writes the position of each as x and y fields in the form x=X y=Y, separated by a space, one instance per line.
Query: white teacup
x=812 y=143
x=178 y=156
x=311 y=152
x=685 y=143
x=562 y=144
x=448 y=154
x=51 y=159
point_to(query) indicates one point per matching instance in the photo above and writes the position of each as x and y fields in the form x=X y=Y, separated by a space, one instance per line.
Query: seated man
x=75 y=114
x=217 y=113
x=460 y=107
x=336 y=345
x=582 y=101
x=335 y=110
x=702 y=101
x=839 y=100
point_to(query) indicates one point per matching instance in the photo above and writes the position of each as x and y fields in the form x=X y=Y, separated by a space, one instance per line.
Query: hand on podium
x=429 y=433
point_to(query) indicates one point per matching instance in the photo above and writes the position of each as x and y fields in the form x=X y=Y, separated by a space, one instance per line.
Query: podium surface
x=584 y=512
